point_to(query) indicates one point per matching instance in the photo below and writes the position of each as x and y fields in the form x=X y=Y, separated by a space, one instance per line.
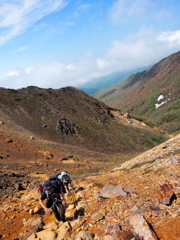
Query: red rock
x=166 y=192
x=126 y=235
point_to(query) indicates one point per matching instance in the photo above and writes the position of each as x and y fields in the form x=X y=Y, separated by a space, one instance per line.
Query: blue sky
x=58 y=43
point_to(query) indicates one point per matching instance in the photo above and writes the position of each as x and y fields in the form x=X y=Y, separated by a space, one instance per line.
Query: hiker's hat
x=63 y=173
x=49 y=186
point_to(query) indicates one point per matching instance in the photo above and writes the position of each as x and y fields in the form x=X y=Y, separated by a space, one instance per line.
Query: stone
x=37 y=209
x=51 y=225
x=46 y=154
x=141 y=228
x=96 y=217
x=166 y=193
x=112 y=231
x=126 y=235
x=77 y=223
x=63 y=230
x=47 y=235
x=85 y=235
x=65 y=225
x=32 y=237
x=32 y=221
x=111 y=191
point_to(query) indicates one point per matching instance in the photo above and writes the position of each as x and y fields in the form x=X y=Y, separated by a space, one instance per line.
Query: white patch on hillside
x=157 y=105
x=160 y=97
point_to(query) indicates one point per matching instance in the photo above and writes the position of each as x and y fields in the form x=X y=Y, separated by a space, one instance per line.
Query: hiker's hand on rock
x=63 y=202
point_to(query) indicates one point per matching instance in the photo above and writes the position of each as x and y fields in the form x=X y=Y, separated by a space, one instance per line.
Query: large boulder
x=111 y=191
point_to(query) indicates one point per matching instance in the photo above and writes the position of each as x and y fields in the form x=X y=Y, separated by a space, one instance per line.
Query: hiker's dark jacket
x=56 y=191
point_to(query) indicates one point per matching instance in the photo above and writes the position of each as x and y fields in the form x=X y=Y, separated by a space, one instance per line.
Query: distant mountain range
x=151 y=96
x=107 y=81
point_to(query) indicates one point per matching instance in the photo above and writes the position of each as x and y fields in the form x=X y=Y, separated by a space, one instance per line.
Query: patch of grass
x=171 y=127
x=135 y=165
x=151 y=161
x=159 y=170
x=104 y=160
x=154 y=138
x=147 y=171
x=12 y=90
x=170 y=117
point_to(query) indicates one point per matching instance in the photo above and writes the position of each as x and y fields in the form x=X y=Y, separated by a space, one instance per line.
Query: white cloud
x=71 y=67
x=13 y=73
x=83 y=7
x=123 y=11
x=173 y=38
x=17 y=15
x=143 y=49
x=22 y=48
x=101 y=63
x=28 y=70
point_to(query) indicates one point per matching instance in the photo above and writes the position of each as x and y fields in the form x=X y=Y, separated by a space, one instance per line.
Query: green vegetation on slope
x=139 y=94
x=39 y=110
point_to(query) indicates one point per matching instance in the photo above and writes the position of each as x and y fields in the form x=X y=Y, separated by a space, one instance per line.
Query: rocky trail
x=140 y=199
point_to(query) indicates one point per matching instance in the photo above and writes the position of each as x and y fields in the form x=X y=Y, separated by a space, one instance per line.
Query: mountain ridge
x=139 y=94
x=107 y=81
x=70 y=116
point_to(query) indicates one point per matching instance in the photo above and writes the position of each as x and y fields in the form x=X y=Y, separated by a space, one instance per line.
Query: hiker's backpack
x=54 y=181
x=40 y=188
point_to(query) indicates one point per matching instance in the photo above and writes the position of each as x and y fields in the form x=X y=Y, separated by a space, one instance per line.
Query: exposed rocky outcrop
x=66 y=127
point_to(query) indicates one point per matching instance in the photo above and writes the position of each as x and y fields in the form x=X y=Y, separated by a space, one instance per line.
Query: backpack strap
x=47 y=194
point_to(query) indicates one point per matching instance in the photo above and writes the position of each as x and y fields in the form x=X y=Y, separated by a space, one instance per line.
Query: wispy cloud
x=142 y=49
x=18 y=15
x=83 y=7
x=23 y=48
x=172 y=38
x=123 y=11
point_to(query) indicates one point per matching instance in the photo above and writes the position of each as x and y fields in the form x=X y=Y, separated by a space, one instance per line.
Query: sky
x=58 y=43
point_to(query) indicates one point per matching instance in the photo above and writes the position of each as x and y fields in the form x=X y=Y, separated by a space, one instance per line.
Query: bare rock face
x=66 y=127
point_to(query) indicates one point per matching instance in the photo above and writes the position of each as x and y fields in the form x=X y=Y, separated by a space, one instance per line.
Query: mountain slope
x=145 y=189
x=107 y=81
x=152 y=94
x=70 y=116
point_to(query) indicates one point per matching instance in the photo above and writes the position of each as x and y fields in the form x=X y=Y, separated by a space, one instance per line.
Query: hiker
x=52 y=195
x=66 y=179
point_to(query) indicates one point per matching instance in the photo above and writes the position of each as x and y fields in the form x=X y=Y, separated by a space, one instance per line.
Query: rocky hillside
x=151 y=95
x=71 y=117
x=139 y=199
